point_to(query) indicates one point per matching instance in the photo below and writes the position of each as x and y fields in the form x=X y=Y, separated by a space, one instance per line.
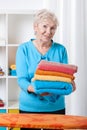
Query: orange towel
x=53 y=73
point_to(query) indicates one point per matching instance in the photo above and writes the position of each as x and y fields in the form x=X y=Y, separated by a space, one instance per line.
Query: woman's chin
x=45 y=40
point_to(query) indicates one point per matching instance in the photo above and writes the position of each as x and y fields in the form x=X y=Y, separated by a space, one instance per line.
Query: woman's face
x=45 y=30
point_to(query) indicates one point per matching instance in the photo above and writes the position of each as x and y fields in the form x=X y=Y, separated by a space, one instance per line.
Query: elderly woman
x=29 y=54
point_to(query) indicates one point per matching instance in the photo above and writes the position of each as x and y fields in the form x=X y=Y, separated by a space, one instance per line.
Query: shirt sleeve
x=22 y=69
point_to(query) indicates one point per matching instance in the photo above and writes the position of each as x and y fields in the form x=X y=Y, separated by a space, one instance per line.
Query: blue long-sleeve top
x=27 y=59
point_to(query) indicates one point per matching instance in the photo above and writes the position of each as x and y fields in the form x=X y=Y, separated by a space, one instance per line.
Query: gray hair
x=45 y=14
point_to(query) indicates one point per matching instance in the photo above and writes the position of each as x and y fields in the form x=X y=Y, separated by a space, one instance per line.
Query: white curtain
x=72 y=31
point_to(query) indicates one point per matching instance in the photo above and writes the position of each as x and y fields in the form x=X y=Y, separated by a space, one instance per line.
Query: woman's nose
x=48 y=31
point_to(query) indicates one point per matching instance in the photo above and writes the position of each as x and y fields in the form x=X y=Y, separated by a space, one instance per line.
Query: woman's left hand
x=45 y=94
x=74 y=85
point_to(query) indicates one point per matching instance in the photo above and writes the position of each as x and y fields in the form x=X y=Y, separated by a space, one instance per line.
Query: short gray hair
x=45 y=14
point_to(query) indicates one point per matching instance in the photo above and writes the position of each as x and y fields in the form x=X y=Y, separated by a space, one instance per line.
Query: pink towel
x=58 y=67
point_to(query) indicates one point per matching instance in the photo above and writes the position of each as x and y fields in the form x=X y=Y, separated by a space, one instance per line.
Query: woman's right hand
x=31 y=89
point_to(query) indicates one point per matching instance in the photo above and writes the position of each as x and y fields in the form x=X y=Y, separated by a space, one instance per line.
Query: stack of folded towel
x=12 y=70
x=54 y=77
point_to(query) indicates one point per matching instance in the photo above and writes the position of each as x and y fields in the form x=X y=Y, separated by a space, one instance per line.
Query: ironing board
x=47 y=121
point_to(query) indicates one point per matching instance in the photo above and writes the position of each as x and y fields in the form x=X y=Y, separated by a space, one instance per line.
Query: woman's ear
x=35 y=27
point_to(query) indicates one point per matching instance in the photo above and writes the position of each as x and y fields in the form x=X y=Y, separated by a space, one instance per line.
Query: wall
x=21 y=4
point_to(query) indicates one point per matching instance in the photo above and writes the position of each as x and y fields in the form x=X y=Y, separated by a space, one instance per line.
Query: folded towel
x=53 y=73
x=51 y=78
x=1 y=103
x=59 y=88
x=55 y=91
x=13 y=67
x=13 y=72
x=58 y=67
x=40 y=84
x=53 y=88
x=1 y=73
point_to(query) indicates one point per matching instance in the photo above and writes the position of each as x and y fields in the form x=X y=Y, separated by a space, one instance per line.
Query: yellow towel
x=13 y=67
x=51 y=78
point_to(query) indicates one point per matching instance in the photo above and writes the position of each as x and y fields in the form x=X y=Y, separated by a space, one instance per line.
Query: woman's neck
x=42 y=47
x=41 y=44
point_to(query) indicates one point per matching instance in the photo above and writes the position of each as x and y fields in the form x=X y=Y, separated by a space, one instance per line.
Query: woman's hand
x=45 y=94
x=74 y=86
x=31 y=89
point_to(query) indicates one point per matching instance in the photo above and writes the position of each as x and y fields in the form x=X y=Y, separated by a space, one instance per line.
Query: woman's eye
x=44 y=26
x=53 y=28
